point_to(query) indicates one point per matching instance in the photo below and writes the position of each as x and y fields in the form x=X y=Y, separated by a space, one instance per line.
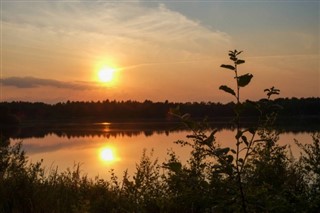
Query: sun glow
x=107 y=154
x=106 y=74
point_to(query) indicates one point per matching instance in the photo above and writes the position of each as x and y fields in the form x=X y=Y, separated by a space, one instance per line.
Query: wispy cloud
x=32 y=82
x=121 y=29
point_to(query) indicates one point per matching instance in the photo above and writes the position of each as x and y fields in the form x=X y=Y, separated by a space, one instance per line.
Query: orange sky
x=52 y=51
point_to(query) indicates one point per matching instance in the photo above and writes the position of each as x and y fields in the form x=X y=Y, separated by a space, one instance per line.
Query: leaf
x=252 y=130
x=229 y=158
x=241 y=160
x=272 y=91
x=240 y=61
x=239 y=134
x=233 y=58
x=245 y=140
x=232 y=53
x=173 y=166
x=227 y=89
x=238 y=53
x=209 y=140
x=244 y=80
x=223 y=150
x=227 y=66
x=276 y=93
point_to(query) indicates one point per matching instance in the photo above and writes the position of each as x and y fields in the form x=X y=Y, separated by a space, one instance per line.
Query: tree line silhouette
x=301 y=109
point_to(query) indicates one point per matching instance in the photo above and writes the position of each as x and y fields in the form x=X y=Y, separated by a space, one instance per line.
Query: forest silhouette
x=104 y=111
x=80 y=119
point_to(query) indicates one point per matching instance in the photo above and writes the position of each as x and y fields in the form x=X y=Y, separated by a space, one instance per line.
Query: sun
x=107 y=155
x=106 y=74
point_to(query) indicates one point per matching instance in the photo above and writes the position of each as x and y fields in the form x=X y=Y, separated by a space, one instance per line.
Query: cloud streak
x=127 y=28
x=32 y=82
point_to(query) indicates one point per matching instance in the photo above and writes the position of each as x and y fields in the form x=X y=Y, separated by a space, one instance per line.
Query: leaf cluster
x=241 y=80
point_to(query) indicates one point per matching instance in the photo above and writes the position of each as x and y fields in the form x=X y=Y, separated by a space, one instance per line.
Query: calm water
x=98 y=148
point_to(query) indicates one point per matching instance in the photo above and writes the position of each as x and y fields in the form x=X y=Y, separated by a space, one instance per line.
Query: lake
x=100 y=147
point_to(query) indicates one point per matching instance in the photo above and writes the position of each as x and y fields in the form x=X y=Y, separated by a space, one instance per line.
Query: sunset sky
x=52 y=51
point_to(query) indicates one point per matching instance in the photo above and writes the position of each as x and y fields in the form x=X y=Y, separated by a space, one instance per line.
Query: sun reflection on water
x=108 y=154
